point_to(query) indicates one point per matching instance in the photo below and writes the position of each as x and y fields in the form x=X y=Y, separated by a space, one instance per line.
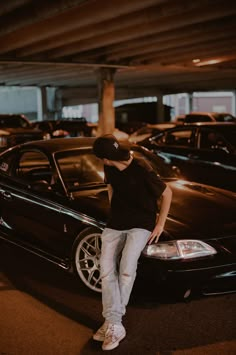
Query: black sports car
x=54 y=203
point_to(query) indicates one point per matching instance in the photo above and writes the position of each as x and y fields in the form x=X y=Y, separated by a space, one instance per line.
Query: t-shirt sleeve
x=154 y=183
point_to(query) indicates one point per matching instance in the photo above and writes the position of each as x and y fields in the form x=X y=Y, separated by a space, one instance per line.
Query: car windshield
x=13 y=122
x=197 y=118
x=143 y=130
x=224 y=117
x=80 y=168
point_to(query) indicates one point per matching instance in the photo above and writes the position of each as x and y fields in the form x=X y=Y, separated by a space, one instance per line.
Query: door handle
x=193 y=156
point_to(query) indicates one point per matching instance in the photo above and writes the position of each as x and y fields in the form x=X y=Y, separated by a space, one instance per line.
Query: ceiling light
x=208 y=62
x=196 y=61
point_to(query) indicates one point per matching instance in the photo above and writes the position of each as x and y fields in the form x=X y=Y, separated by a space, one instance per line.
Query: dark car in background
x=54 y=203
x=63 y=128
x=15 y=129
x=203 y=152
x=208 y=117
x=148 y=131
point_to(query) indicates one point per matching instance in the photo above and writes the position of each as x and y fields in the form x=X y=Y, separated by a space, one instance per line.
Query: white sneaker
x=114 y=334
x=100 y=333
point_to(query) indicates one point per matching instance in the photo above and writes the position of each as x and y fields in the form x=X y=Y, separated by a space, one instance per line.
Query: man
x=134 y=190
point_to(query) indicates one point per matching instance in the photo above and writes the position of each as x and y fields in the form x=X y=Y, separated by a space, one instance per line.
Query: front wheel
x=86 y=258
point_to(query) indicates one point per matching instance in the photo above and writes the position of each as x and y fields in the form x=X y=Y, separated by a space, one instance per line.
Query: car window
x=224 y=117
x=80 y=168
x=197 y=118
x=211 y=139
x=33 y=166
x=157 y=163
x=183 y=138
x=228 y=132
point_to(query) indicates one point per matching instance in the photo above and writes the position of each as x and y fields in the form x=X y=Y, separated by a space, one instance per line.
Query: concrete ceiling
x=153 y=45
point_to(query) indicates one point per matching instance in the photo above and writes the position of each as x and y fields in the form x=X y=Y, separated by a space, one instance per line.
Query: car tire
x=86 y=258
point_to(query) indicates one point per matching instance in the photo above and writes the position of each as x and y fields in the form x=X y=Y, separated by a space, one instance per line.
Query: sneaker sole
x=114 y=345
x=98 y=338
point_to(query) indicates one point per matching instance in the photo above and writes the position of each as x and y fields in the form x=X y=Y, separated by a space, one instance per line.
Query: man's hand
x=154 y=236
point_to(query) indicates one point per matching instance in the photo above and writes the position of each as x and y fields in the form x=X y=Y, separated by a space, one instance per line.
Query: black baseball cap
x=108 y=147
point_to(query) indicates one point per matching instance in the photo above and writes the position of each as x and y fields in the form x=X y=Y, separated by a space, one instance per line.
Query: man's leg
x=112 y=244
x=135 y=242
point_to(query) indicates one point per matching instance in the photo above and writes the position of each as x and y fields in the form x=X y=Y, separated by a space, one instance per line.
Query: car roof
x=6 y=115
x=212 y=124
x=60 y=144
x=161 y=125
x=208 y=113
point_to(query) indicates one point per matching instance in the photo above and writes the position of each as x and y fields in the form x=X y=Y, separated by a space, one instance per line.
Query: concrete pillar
x=160 y=109
x=106 y=96
x=176 y=105
x=58 y=104
x=42 y=103
x=189 y=102
x=234 y=103
x=51 y=103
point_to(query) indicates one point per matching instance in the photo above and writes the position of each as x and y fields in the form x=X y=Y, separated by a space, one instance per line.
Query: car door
x=216 y=160
x=33 y=216
x=179 y=148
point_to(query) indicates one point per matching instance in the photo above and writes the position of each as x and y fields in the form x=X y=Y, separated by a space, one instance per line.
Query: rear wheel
x=86 y=256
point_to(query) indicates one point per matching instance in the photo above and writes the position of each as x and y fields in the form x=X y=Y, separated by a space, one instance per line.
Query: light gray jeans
x=119 y=258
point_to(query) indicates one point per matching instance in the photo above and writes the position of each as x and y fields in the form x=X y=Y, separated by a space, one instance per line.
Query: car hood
x=208 y=211
x=196 y=210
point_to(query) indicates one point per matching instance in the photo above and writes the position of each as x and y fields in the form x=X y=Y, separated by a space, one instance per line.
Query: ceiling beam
x=137 y=18
x=75 y=18
x=188 y=54
x=34 y=11
x=8 y=6
x=161 y=24
x=199 y=48
x=167 y=40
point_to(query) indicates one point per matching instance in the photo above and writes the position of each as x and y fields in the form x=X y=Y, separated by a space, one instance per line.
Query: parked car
x=15 y=129
x=63 y=128
x=148 y=131
x=203 y=152
x=208 y=117
x=54 y=203
x=50 y=129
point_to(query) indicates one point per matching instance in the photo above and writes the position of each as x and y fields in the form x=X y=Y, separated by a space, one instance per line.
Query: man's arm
x=110 y=192
x=161 y=219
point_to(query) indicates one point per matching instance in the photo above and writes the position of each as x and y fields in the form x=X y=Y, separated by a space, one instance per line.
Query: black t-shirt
x=136 y=190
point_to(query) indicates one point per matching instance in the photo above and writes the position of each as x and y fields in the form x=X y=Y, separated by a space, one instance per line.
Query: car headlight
x=179 y=249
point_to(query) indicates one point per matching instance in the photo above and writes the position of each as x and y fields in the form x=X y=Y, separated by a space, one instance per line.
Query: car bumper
x=208 y=278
